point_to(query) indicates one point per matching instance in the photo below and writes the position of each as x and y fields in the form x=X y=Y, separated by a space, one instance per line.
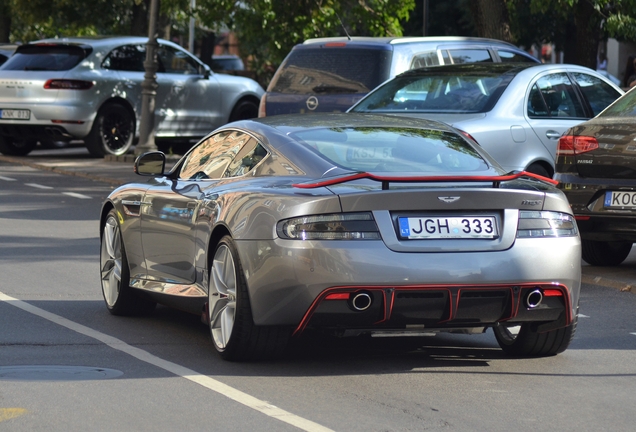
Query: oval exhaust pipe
x=534 y=299
x=361 y=301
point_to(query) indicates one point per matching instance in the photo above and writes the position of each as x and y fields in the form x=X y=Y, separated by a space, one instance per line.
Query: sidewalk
x=119 y=170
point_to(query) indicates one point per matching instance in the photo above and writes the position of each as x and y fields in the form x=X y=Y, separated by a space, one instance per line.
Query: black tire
x=119 y=297
x=244 y=110
x=529 y=343
x=600 y=253
x=538 y=169
x=113 y=131
x=13 y=147
x=234 y=335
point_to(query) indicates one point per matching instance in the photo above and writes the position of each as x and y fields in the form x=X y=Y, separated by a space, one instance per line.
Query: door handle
x=553 y=134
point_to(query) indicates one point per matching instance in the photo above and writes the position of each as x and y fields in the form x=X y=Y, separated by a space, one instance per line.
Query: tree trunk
x=139 y=20
x=5 y=20
x=588 y=33
x=492 y=19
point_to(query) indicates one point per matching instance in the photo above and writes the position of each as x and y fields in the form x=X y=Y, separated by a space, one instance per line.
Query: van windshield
x=323 y=71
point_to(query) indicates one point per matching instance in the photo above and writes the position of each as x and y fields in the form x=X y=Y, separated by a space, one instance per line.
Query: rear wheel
x=538 y=169
x=522 y=341
x=113 y=131
x=119 y=297
x=232 y=327
x=12 y=147
x=600 y=253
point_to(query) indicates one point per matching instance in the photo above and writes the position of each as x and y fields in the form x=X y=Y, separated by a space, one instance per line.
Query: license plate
x=15 y=114
x=620 y=200
x=442 y=227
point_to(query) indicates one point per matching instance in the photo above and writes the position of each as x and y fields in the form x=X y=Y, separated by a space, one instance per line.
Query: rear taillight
x=574 y=145
x=66 y=84
x=262 y=109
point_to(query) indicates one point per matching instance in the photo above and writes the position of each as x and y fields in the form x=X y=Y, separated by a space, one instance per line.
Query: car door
x=192 y=106
x=553 y=107
x=172 y=208
x=128 y=62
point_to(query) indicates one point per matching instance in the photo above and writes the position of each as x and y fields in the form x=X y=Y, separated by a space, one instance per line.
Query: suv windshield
x=369 y=149
x=332 y=70
x=444 y=92
x=46 y=57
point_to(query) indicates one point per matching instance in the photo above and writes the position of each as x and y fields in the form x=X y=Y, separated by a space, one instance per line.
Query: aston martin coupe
x=350 y=224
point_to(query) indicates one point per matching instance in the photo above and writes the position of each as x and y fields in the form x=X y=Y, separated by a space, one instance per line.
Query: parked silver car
x=517 y=112
x=90 y=89
x=352 y=224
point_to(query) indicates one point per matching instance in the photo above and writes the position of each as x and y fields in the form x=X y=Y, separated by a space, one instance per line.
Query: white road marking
x=39 y=186
x=633 y=334
x=77 y=195
x=189 y=374
x=7 y=178
x=583 y=316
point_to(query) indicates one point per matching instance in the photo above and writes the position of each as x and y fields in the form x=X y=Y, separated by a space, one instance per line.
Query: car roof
x=407 y=40
x=98 y=41
x=499 y=68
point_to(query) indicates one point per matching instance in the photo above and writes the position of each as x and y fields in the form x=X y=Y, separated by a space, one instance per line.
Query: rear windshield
x=332 y=70
x=432 y=93
x=371 y=149
x=46 y=58
x=623 y=107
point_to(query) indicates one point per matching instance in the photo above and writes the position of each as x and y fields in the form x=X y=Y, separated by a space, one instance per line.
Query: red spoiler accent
x=366 y=175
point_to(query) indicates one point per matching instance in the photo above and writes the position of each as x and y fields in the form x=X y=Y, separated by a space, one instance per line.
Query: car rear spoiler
x=386 y=180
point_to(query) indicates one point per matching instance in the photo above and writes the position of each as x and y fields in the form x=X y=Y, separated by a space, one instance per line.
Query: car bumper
x=49 y=120
x=290 y=283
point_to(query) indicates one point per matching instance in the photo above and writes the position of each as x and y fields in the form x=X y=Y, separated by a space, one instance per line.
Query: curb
x=61 y=170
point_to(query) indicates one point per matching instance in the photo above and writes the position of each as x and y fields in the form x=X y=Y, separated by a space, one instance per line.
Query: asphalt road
x=66 y=364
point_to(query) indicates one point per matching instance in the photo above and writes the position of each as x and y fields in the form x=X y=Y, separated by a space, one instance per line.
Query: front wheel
x=234 y=334
x=119 y=298
x=600 y=253
x=12 y=147
x=244 y=110
x=112 y=133
x=522 y=341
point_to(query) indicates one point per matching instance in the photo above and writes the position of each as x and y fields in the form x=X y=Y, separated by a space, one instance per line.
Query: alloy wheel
x=222 y=296
x=111 y=261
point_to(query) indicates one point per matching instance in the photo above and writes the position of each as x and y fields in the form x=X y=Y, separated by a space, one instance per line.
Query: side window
x=597 y=92
x=537 y=106
x=560 y=96
x=246 y=159
x=221 y=155
x=126 y=58
x=470 y=55
x=175 y=61
x=425 y=59
x=513 y=57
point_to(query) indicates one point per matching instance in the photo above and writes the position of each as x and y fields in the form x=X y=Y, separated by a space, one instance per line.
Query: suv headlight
x=341 y=226
x=545 y=224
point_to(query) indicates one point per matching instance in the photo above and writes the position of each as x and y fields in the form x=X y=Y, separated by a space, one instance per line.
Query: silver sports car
x=352 y=224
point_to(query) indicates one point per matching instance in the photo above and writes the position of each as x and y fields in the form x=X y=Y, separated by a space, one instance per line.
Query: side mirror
x=206 y=71
x=150 y=164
